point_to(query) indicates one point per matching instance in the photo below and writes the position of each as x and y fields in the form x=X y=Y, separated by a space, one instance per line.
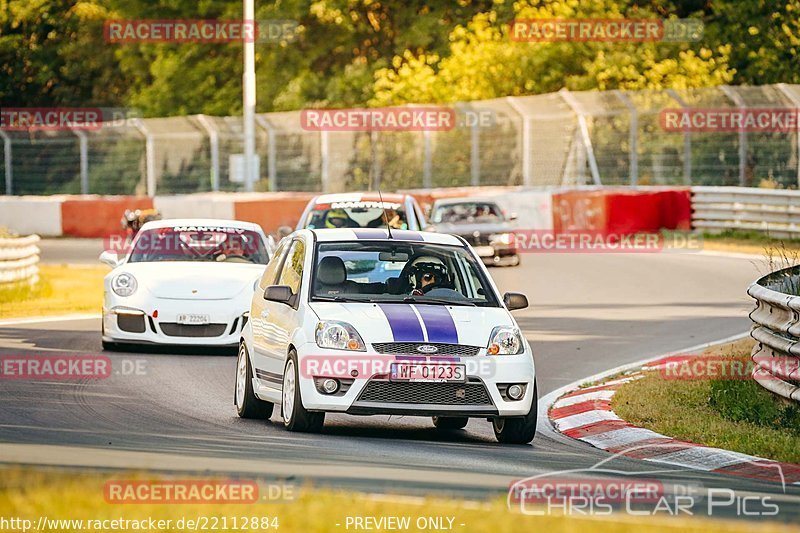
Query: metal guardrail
x=19 y=259
x=773 y=211
x=776 y=327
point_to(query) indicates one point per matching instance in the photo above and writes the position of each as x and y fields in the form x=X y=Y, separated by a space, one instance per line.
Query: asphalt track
x=589 y=313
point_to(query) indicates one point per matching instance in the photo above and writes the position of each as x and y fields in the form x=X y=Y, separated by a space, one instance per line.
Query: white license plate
x=484 y=251
x=436 y=372
x=193 y=319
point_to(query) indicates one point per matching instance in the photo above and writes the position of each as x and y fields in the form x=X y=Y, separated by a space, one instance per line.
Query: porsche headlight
x=504 y=340
x=123 y=284
x=339 y=336
x=501 y=238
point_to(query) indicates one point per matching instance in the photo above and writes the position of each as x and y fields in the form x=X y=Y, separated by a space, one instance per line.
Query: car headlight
x=339 y=336
x=504 y=340
x=124 y=284
x=501 y=238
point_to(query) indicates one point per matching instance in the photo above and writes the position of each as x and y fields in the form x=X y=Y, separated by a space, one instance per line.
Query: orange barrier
x=622 y=212
x=273 y=211
x=97 y=216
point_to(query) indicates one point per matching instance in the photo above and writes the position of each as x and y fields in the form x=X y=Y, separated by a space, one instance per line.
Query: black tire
x=450 y=422
x=248 y=405
x=109 y=346
x=298 y=418
x=517 y=430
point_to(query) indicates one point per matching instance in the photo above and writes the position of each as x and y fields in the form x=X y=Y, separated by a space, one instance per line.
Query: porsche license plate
x=434 y=372
x=191 y=319
x=484 y=251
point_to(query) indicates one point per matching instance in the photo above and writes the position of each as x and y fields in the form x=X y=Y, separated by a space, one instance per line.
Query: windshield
x=361 y=214
x=385 y=271
x=199 y=243
x=468 y=212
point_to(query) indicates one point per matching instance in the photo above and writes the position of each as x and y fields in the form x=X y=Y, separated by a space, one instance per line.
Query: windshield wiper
x=339 y=299
x=440 y=301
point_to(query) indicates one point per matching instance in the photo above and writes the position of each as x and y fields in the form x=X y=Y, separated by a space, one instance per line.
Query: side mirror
x=515 y=300
x=278 y=293
x=110 y=258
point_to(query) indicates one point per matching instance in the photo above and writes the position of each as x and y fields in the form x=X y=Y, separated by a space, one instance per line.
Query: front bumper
x=372 y=392
x=136 y=324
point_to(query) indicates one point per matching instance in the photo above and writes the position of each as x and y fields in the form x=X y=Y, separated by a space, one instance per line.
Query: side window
x=272 y=267
x=292 y=273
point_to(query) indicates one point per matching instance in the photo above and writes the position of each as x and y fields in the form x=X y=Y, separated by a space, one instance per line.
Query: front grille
x=410 y=348
x=381 y=391
x=173 y=329
x=131 y=323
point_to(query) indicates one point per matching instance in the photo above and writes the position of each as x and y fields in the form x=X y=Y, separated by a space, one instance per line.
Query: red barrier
x=622 y=212
x=97 y=216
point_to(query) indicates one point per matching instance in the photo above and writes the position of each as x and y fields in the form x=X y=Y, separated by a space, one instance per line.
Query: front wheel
x=248 y=405
x=295 y=416
x=450 y=422
x=517 y=430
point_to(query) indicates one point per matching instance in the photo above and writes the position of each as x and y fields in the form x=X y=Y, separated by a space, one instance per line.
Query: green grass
x=33 y=493
x=61 y=290
x=735 y=415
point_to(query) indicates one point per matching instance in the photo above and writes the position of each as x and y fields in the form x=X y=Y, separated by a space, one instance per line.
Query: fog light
x=330 y=385
x=515 y=392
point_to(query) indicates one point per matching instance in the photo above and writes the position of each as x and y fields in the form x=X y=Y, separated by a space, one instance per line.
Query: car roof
x=465 y=200
x=172 y=222
x=360 y=197
x=381 y=234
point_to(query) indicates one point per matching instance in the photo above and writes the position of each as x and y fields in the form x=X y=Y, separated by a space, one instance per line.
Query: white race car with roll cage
x=183 y=282
x=362 y=322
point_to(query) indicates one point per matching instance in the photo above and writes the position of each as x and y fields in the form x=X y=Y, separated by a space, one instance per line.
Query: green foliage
x=747 y=401
x=358 y=52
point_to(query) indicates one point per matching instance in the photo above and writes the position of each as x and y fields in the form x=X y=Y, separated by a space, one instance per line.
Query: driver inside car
x=338 y=218
x=429 y=273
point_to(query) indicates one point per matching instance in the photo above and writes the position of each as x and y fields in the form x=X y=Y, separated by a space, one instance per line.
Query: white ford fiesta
x=183 y=282
x=363 y=322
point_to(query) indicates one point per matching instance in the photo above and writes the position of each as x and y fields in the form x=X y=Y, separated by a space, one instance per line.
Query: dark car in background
x=482 y=223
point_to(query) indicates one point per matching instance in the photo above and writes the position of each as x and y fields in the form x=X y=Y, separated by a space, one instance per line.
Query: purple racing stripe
x=404 y=322
x=439 y=323
x=380 y=233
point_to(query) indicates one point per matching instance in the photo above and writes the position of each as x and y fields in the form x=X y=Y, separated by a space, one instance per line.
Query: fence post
x=324 y=161
x=7 y=157
x=584 y=129
x=272 y=152
x=739 y=102
x=687 y=141
x=375 y=162
x=427 y=182
x=149 y=157
x=84 y=159
x=527 y=169
x=796 y=102
x=633 y=137
x=213 y=145
x=475 y=155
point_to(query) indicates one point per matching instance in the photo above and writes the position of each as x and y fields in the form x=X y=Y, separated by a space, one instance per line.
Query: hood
x=183 y=280
x=470 y=229
x=431 y=323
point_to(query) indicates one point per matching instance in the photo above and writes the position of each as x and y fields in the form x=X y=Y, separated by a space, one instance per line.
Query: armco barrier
x=19 y=259
x=773 y=211
x=776 y=327
x=609 y=210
